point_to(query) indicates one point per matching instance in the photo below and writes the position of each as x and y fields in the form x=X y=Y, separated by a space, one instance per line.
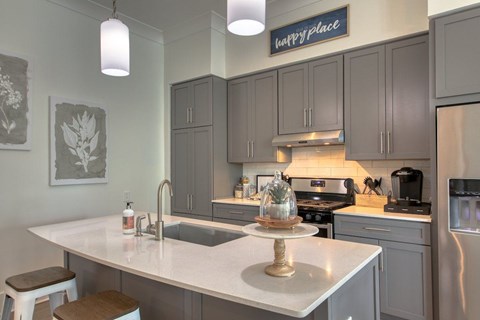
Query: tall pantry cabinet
x=200 y=171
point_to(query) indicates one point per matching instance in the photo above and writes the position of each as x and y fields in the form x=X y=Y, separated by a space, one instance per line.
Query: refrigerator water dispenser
x=464 y=209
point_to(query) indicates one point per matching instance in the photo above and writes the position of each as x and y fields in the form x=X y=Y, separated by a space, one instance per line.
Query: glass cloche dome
x=278 y=201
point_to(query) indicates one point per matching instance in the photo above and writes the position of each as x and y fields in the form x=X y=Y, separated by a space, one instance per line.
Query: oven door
x=324 y=230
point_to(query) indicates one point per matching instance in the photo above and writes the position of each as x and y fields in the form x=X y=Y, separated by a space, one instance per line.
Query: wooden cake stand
x=279 y=268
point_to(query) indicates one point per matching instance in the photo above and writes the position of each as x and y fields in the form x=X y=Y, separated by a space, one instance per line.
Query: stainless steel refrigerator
x=458 y=186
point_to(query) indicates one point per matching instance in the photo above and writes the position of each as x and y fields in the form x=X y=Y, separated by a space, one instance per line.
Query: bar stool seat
x=107 y=305
x=23 y=289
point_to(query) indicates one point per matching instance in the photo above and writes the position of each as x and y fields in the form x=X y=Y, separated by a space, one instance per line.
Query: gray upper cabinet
x=365 y=104
x=457 y=71
x=252 y=120
x=386 y=101
x=196 y=150
x=405 y=263
x=311 y=96
x=192 y=104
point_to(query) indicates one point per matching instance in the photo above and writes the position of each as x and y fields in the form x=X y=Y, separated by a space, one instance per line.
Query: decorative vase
x=280 y=211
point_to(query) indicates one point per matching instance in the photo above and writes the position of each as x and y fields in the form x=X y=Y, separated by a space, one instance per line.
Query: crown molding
x=101 y=13
x=207 y=21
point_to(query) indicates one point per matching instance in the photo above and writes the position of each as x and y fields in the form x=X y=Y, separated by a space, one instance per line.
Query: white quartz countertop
x=232 y=271
x=244 y=202
x=379 y=213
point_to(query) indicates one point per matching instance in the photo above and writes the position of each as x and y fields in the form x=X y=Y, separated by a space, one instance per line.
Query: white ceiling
x=164 y=14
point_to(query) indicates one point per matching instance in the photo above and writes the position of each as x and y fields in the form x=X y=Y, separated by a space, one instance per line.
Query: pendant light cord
x=114 y=14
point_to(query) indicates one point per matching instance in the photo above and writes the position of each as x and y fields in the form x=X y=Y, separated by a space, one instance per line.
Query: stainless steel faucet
x=159 y=223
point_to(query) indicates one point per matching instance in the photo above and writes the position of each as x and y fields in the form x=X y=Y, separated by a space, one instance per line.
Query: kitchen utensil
x=365 y=182
x=372 y=186
x=356 y=188
x=378 y=184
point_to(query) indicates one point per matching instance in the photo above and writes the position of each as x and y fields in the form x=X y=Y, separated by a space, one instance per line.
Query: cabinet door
x=293 y=99
x=180 y=104
x=263 y=117
x=239 y=102
x=202 y=169
x=457 y=45
x=180 y=170
x=365 y=104
x=201 y=114
x=407 y=109
x=326 y=94
x=406 y=283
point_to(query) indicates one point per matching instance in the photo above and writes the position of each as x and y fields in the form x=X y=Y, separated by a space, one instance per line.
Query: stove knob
x=308 y=217
x=318 y=218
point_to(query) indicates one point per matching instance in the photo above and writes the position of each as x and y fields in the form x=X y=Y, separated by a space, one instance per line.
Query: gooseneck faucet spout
x=159 y=222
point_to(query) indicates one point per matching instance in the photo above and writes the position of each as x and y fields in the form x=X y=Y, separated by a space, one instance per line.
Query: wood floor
x=42 y=312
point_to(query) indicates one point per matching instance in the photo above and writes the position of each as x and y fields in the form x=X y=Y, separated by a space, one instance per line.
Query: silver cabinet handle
x=310 y=117
x=377 y=229
x=253 y=154
x=236 y=212
x=381 y=142
x=380 y=267
x=188 y=115
x=389 y=136
x=248 y=149
x=188 y=202
x=304 y=117
x=191 y=202
x=191 y=115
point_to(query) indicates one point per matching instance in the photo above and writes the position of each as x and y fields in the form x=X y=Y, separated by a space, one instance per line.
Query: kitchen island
x=175 y=279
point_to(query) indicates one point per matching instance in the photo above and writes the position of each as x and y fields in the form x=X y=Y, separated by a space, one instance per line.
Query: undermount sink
x=203 y=235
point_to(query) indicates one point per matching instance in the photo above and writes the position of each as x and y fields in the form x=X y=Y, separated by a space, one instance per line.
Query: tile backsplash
x=329 y=161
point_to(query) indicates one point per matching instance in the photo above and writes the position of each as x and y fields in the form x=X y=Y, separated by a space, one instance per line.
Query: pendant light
x=246 y=17
x=115 y=46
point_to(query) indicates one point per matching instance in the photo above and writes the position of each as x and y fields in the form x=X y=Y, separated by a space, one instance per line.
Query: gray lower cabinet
x=311 y=96
x=200 y=169
x=386 y=101
x=405 y=264
x=192 y=167
x=162 y=301
x=457 y=43
x=253 y=120
x=234 y=214
x=192 y=103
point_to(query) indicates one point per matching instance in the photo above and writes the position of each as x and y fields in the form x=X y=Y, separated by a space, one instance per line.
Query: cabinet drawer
x=235 y=212
x=383 y=229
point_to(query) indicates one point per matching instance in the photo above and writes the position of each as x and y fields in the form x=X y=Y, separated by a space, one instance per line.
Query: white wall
x=370 y=21
x=436 y=7
x=64 y=47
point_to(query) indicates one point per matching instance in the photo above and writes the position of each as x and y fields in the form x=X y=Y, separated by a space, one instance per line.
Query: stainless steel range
x=318 y=197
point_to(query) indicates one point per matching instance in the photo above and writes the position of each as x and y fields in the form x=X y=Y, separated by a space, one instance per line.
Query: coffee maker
x=406 y=196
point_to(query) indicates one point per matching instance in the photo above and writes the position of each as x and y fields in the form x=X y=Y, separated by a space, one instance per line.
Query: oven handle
x=327 y=226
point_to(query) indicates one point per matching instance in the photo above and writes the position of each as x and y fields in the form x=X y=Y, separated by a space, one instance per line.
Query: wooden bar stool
x=25 y=288
x=107 y=305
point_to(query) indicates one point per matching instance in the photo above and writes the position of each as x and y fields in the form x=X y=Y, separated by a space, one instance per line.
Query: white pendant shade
x=246 y=17
x=115 y=48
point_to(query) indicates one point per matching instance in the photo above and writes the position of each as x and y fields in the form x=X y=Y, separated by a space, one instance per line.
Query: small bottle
x=128 y=217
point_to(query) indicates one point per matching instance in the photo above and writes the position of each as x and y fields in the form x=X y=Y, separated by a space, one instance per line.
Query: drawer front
x=383 y=229
x=235 y=212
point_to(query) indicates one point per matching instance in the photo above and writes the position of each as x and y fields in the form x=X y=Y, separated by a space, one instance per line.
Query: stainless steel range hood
x=309 y=139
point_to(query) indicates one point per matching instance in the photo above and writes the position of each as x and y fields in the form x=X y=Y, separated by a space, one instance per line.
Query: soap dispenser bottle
x=128 y=217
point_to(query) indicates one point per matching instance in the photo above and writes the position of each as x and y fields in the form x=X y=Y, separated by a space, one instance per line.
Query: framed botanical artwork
x=15 y=106
x=78 y=142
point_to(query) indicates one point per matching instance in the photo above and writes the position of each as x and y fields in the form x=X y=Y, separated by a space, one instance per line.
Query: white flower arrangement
x=9 y=98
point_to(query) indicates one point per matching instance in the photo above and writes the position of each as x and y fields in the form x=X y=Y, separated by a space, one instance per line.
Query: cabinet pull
x=252 y=154
x=377 y=229
x=191 y=202
x=248 y=149
x=389 y=136
x=188 y=202
x=380 y=267
x=236 y=212
x=188 y=115
x=304 y=117
x=381 y=142
x=191 y=115
x=310 y=117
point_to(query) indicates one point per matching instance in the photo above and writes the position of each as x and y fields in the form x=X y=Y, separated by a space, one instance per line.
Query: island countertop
x=232 y=271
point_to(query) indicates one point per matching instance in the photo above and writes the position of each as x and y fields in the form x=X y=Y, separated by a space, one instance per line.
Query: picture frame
x=326 y=26
x=78 y=142
x=15 y=101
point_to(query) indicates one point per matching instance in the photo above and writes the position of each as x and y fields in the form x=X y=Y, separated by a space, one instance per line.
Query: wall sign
x=323 y=27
